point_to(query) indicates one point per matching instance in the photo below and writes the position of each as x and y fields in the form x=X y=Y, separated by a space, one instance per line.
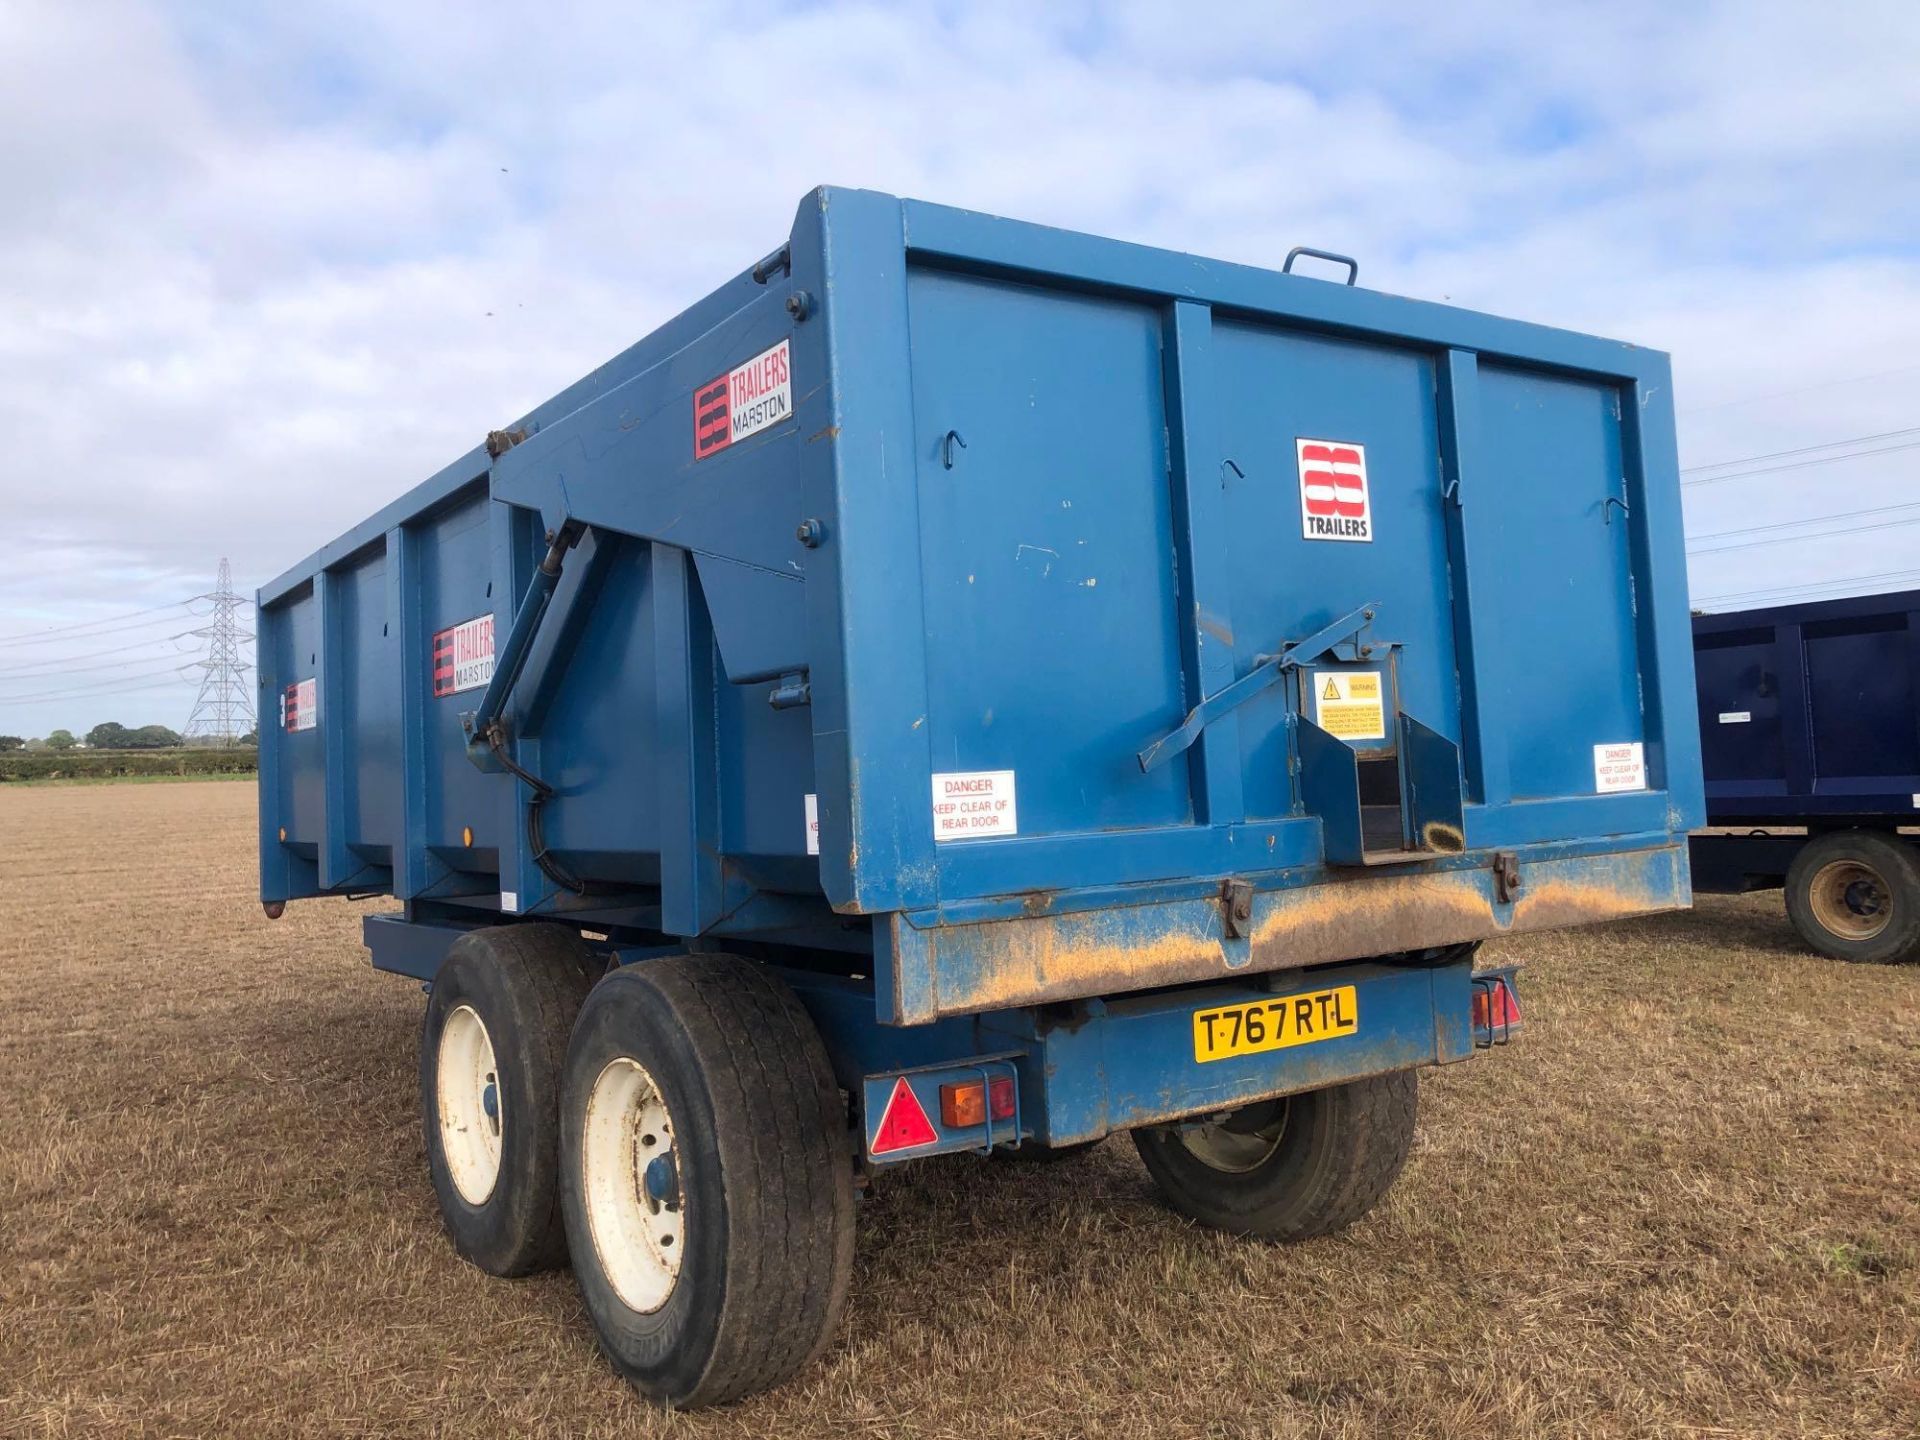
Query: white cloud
x=263 y=268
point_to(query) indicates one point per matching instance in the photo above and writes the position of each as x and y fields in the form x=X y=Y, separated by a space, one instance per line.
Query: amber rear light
x=963 y=1103
x=970 y=1102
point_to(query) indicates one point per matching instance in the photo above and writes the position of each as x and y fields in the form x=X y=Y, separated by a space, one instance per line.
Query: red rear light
x=1496 y=1009
x=1000 y=1098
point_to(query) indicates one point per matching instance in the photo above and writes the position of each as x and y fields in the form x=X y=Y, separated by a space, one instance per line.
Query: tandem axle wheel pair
x=676 y=1129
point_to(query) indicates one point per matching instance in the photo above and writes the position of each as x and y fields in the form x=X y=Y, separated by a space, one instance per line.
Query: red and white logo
x=300 y=705
x=1334 y=504
x=742 y=402
x=463 y=656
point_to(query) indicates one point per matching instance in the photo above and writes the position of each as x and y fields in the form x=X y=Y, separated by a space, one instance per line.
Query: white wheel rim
x=467 y=1088
x=630 y=1178
x=1244 y=1141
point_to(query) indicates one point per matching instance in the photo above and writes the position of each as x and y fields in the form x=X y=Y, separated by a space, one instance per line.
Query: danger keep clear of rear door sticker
x=973 y=803
x=1334 y=501
x=1619 y=767
x=742 y=402
x=1349 y=704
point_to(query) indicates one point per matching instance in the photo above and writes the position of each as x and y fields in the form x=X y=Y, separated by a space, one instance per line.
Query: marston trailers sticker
x=463 y=656
x=1334 y=504
x=742 y=402
x=300 y=705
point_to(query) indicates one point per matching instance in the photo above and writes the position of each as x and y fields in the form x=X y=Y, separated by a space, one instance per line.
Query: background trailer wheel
x=1855 y=895
x=491 y=1051
x=706 y=1178
x=1292 y=1168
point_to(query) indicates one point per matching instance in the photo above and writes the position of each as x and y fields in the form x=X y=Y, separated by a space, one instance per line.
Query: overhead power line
x=156 y=665
x=1803 y=450
x=1803 y=464
x=100 y=629
x=147 y=687
x=1832 y=532
x=1811 y=520
x=46 y=668
x=1808 y=590
x=1797 y=390
x=140 y=680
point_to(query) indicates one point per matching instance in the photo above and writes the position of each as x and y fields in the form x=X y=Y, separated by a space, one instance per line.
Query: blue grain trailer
x=966 y=686
x=1810 y=734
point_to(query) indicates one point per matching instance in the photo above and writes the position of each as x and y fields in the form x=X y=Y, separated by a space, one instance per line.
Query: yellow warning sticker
x=1348 y=704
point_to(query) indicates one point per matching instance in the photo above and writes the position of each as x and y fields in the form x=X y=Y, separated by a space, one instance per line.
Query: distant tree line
x=113 y=736
x=110 y=735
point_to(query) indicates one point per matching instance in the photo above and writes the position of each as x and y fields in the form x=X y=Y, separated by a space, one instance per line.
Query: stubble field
x=1686 y=1202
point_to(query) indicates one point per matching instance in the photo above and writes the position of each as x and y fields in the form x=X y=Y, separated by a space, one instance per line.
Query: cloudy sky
x=264 y=266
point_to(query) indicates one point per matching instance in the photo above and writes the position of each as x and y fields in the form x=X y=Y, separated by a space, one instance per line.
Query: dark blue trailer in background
x=969 y=686
x=1810 y=740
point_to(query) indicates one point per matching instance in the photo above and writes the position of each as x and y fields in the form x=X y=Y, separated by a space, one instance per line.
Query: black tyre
x=1855 y=895
x=1292 y=1168
x=491 y=1053
x=706 y=1178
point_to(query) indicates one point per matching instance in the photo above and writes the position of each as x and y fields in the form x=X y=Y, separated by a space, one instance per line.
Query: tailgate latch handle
x=1261 y=678
x=1506 y=877
x=1236 y=908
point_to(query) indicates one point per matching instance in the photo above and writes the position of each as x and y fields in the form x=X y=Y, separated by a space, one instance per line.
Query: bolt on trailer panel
x=1051 y=616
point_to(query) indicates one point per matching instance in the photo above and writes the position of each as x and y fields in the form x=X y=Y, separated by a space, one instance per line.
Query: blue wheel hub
x=662 y=1178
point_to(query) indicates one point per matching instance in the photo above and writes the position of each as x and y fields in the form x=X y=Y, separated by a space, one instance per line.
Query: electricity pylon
x=223 y=710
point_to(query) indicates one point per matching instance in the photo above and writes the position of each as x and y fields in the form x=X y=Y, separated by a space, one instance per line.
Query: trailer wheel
x=491 y=1051
x=1855 y=895
x=1292 y=1168
x=706 y=1178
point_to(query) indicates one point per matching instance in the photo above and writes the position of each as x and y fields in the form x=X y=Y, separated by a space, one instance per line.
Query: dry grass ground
x=1687 y=1203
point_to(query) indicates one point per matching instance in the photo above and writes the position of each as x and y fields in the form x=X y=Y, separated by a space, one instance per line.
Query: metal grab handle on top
x=1353 y=265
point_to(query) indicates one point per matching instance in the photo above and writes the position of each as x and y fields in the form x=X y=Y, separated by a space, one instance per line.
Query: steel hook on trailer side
x=1606 y=508
x=953 y=437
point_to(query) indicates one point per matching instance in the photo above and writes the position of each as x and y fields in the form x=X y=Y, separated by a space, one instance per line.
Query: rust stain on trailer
x=1558 y=903
x=1213 y=625
x=1037 y=958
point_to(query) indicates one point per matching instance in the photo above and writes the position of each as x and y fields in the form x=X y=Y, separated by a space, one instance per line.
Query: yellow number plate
x=1275 y=1024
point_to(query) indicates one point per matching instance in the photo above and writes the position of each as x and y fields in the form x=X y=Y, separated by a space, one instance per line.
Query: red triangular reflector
x=904 y=1123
